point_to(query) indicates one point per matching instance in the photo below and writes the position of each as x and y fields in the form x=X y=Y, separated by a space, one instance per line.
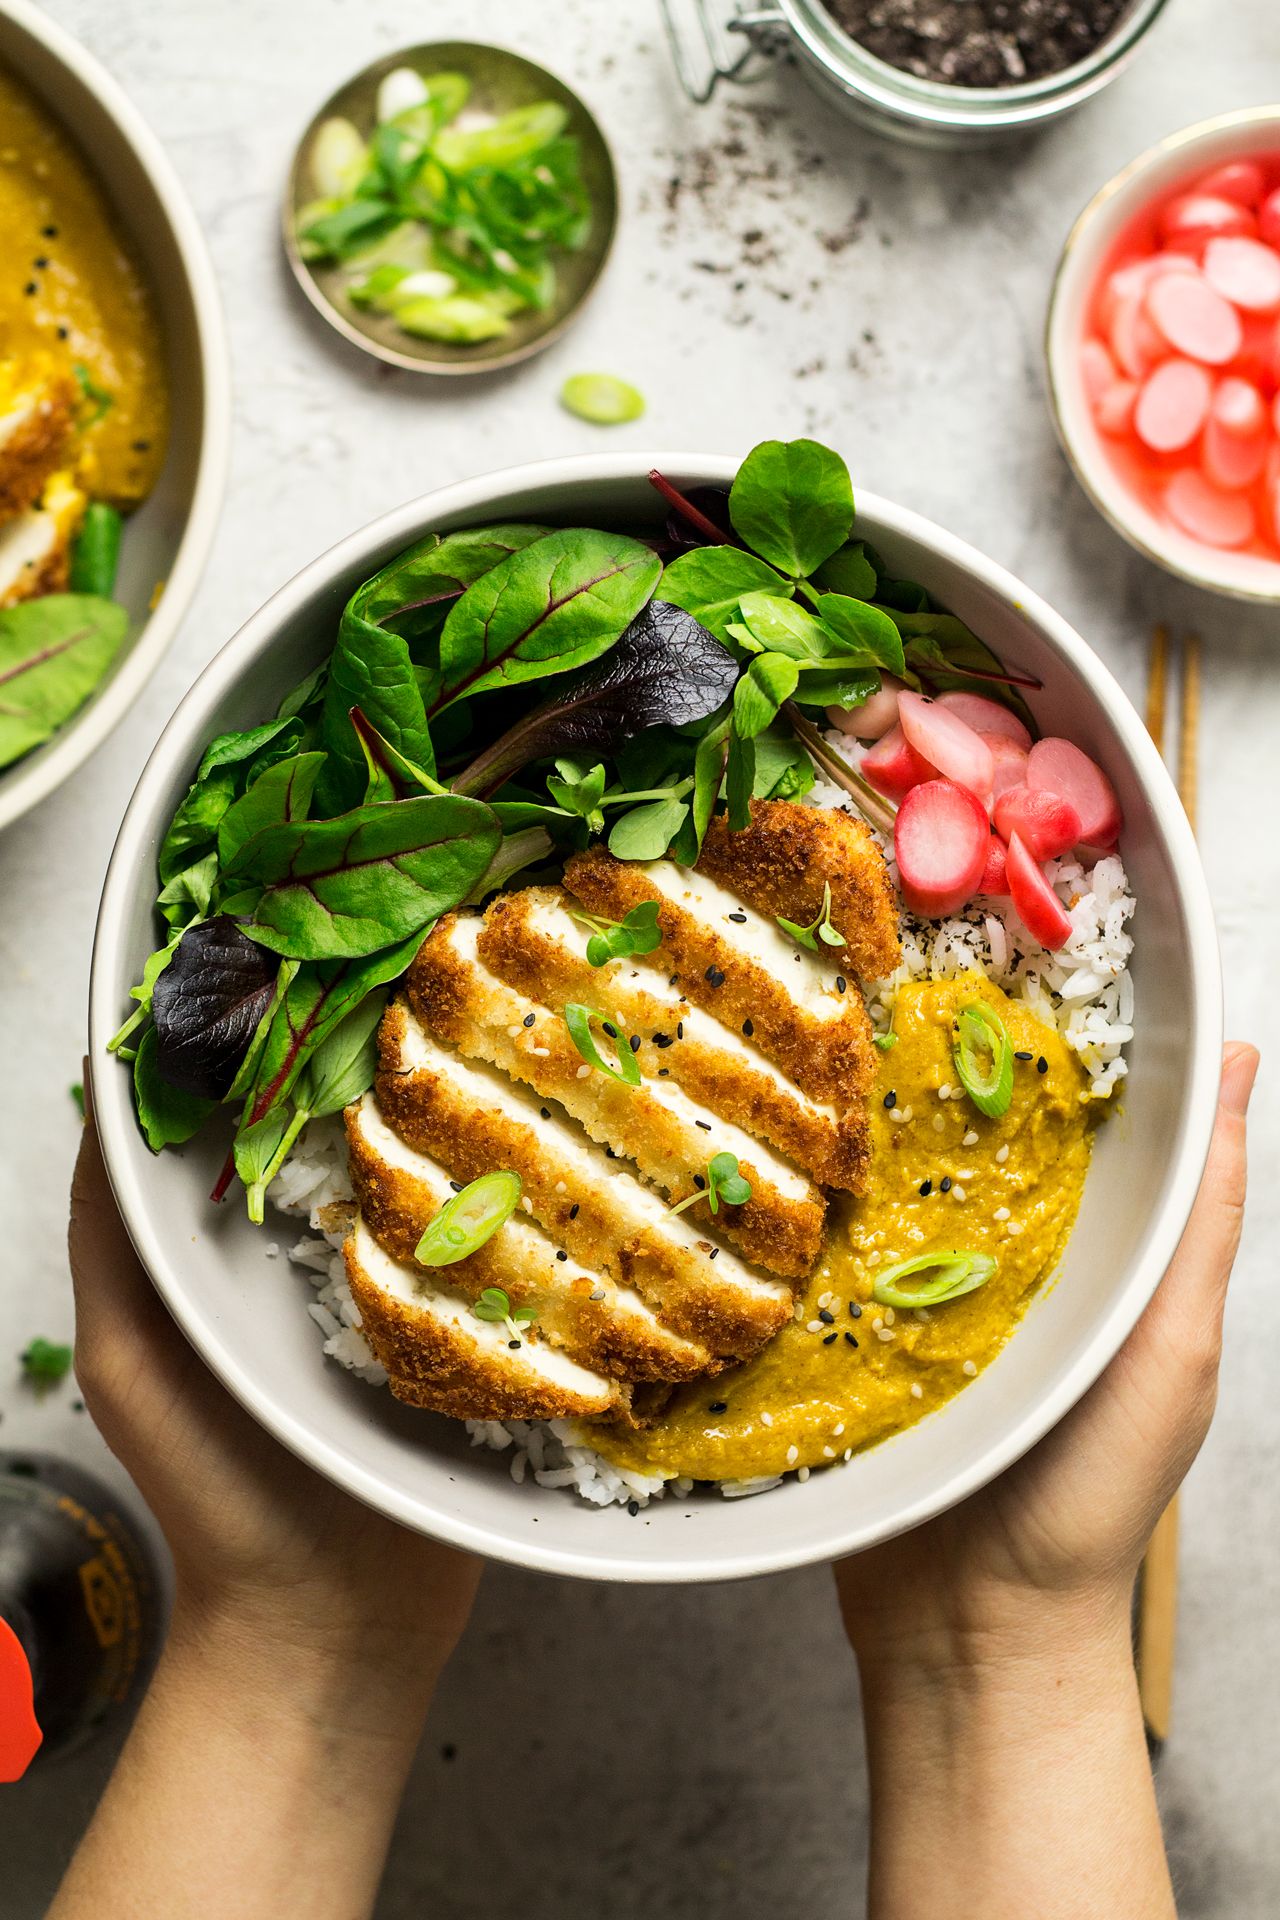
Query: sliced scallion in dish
x=471 y=1217
x=954 y=1274
x=983 y=1054
x=578 y=1020
x=601 y=398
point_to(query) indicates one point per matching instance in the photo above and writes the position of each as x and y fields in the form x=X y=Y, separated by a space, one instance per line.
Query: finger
x=110 y=1283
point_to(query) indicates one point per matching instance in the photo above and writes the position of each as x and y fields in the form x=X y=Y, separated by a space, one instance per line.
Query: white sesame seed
x=922 y=1313
x=917 y=1391
x=1001 y=1213
x=526 y=1203
x=957 y=1193
x=889 y=1316
x=1002 y=1154
x=944 y=1091
x=885 y=1333
x=793 y=1454
x=970 y=1139
x=969 y=1368
x=837 y=1431
x=583 y=1071
x=766 y=1419
x=803 y=1474
x=513 y=1033
x=828 y=1453
x=908 y=1113
x=877 y=1323
x=938 y=1123
x=814 y=1326
x=544 y=1053
x=1013 y=1226
x=561 y=1187
x=848 y=1453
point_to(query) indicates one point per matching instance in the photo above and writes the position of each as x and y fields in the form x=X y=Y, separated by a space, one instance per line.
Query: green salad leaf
x=53 y=653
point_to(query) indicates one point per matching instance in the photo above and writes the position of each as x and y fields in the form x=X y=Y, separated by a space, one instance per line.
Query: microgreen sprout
x=637 y=932
x=819 y=929
x=725 y=1181
x=494 y=1305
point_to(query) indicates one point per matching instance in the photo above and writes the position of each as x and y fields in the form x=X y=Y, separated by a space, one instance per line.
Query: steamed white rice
x=1085 y=992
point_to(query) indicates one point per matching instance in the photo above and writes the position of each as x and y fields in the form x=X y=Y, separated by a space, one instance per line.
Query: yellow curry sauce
x=1014 y=1188
x=69 y=288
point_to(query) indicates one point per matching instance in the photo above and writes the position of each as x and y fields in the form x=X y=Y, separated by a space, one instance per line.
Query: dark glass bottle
x=79 y=1608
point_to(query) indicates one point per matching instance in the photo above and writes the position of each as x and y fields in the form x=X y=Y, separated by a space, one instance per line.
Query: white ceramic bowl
x=168 y=538
x=1181 y=157
x=247 y=1315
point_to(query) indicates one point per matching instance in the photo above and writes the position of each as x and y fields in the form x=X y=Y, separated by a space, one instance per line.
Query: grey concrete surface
x=689 y=1753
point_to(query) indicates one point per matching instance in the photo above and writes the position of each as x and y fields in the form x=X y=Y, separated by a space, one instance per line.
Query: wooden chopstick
x=1158 y=1581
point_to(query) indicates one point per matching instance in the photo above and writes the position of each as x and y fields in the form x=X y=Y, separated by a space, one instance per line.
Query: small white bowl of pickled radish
x=1163 y=353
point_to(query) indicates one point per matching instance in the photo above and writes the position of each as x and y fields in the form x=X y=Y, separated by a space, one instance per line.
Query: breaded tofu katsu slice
x=38 y=399
x=35 y=545
x=746 y=1044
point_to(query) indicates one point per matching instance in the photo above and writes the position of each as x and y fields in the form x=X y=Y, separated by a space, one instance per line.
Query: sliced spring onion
x=95 y=557
x=601 y=398
x=983 y=1054
x=473 y=1216
x=885 y=1041
x=954 y=1274
x=578 y=1020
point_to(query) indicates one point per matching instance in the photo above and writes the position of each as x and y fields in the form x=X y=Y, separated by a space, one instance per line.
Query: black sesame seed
x=842 y=985
x=456 y=1185
x=738 y=919
x=827 y=1318
x=664 y=1073
x=944 y=1185
x=855 y=1310
x=40 y=262
x=1042 y=1065
x=634 y=1043
x=30 y=288
x=679 y=1029
x=528 y=1019
x=611 y=1031
x=662 y=1039
x=1022 y=1056
x=717 y=1406
x=609 y=1154
x=704 y=1124
x=573 y=1211
x=891 y=1098
x=561 y=1254
x=64 y=333
x=633 y=1508
x=713 y=1253
x=513 y=1344
x=714 y=977
x=852 y=1338
x=827 y=1338
x=448 y=1752
x=142 y=446
x=926 y=1188
x=545 y=1112
x=50 y=233
x=699 y=1182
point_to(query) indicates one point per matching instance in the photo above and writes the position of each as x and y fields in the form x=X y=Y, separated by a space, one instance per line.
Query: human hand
x=1057 y=1541
x=269 y=1557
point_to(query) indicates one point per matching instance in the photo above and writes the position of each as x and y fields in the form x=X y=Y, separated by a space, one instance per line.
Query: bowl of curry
x=114 y=405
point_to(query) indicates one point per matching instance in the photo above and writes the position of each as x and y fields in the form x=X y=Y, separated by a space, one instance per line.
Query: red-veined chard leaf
x=53 y=653
x=280 y=794
x=206 y=1005
x=559 y=603
x=228 y=761
x=792 y=502
x=343 y=888
x=709 y=582
x=666 y=670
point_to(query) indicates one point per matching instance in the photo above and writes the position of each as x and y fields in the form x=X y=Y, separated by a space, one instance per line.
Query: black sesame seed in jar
x=978 y=43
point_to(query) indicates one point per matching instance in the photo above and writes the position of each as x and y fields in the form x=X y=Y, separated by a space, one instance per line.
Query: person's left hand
x=270 y=1558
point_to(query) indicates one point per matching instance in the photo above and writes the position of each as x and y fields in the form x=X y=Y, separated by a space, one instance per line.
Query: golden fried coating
x=38 y=399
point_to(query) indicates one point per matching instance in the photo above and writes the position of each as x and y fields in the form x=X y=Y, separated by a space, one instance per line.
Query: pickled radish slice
x=995 y=875
x=1009 y=764
x=1058 y=766
x=1194 y=318
x=1134 y=278
x=1173 y=406
x=1238 y=408
x=893 y=767
x=1196 y=217
x=1229 y=459
x=986 y=716
x=1206 y=512
x=940 y=841
x=874 y=718
x=1047 y=824
x=1240 y=180
x=1135 y=341
x=1244 y=272
x=1115 y=409
x=1097 y=370
x=1038 y=906
x=1269 y=219
x=946 y=742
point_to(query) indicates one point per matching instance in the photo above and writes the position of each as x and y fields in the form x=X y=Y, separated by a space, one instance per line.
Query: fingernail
x=1239 y=1071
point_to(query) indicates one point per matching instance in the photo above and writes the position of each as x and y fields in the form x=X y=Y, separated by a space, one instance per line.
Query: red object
x=947 y=742
x=1269 y=219
x=1009 y=764
x=986 y=716
x=1047 y=824
x=1173 y=406
x=1038 y=906
x=995 y=875
x=874 y=718
x=1194 y=218
x=1241 y=180
x=20 y=1735
x=1194 y=318
x=1059 y=767
x=940 y=840
x=893 y=767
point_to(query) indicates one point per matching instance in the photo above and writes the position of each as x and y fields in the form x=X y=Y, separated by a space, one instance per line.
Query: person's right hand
x=265 y=1551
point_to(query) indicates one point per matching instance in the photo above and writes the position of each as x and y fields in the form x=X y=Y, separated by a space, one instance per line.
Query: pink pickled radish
x=1173 y=406
x=1244 y=272
x=986 y=716
x=1194 y=318
x=1038 y=906
x=940 y=841
x=893 y=767
x=1008 y=762
x=1231 y=459
x=873 y=719
x=1195 y=217
x=1134 y=278
x=1046 y=824
x=1238 y=409
x=1135 y=341
x=947 y=742
x=1240 y=180
x=1097 y=370
x=995 y=876
x=1206 y=512
x=1269 y=218
x=1058 y=766
x=1115 y=409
